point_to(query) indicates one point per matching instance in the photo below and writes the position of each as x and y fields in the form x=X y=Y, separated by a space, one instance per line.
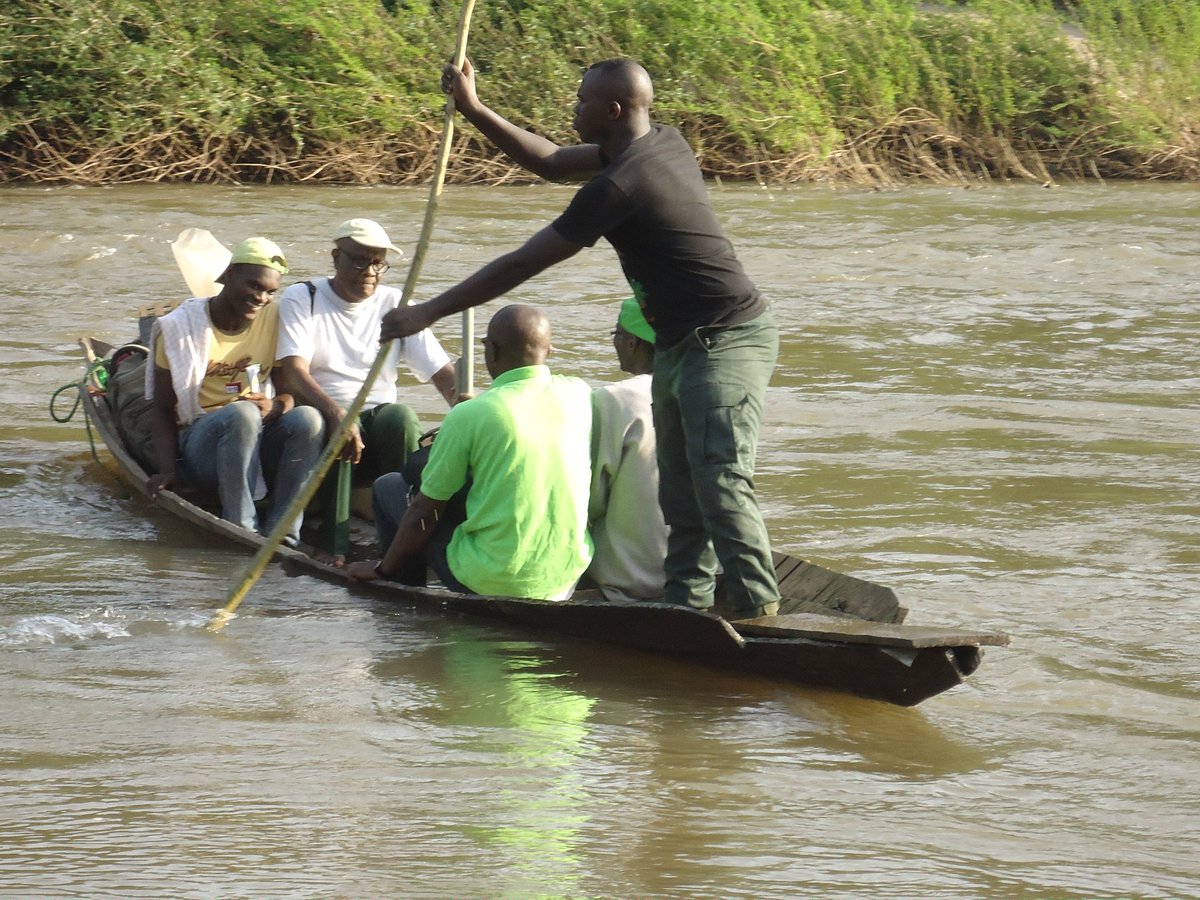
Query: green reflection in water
x=502 y=705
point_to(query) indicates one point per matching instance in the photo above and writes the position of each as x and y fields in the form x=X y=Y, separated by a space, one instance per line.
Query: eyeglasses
x=361 y=263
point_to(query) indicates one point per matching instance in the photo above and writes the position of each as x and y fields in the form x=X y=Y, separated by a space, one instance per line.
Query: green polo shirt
x=526 y=446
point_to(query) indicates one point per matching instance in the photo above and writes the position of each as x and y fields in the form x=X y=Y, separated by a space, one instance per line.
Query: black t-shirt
x=651 y=204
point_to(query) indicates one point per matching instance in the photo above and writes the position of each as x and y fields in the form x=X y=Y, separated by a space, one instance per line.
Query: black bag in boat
x=134 y=414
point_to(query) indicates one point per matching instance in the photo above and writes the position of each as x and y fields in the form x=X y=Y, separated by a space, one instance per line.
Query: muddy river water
x=987 y=399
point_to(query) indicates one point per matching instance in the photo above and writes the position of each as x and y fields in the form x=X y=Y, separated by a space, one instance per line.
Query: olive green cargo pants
x=708 y=393
x=390 y=432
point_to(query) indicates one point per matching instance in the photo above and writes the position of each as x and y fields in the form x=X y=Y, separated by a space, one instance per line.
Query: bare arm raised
x=539 y=155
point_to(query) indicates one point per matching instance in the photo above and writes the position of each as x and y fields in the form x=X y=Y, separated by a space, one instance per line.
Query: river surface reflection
x=987 y=399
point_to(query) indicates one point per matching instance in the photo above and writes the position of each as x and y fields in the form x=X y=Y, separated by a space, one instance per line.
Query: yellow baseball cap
x=257 y=251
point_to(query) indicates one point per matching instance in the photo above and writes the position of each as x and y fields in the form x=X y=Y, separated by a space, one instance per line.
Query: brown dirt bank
x=913 y=147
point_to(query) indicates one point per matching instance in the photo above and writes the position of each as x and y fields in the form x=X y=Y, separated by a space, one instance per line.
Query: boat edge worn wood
x=834 y=631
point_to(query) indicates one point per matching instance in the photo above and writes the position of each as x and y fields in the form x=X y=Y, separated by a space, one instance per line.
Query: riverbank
x=874 y=93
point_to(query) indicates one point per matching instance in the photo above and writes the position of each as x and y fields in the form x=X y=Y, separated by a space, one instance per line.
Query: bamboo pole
x=334 y=447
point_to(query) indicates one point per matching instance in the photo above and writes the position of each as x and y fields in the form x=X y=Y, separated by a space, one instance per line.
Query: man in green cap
x=624 y=517
x=217 y=420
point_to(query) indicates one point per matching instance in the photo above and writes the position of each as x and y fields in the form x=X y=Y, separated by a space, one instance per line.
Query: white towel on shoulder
x=186 y=333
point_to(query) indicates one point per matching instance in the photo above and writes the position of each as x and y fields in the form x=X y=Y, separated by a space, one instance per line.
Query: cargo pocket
x=725 y=439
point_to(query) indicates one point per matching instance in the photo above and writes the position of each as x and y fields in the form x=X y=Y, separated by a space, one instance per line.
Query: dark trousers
x=390 y=498
x=389 y=432
x=708 y=393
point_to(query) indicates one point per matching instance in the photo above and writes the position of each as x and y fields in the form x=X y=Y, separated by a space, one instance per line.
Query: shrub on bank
x=98 y=91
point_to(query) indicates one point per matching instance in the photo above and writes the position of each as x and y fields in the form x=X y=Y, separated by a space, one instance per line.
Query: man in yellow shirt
x=217 y=420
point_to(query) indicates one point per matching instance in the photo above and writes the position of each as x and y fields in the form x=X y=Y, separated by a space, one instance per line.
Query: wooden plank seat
x=848 y=630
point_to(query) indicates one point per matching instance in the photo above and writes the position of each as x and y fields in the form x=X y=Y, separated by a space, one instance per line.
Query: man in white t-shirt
x=328 y=340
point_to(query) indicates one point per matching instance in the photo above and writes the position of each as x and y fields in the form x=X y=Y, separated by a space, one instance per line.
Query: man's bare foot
x=337 y=560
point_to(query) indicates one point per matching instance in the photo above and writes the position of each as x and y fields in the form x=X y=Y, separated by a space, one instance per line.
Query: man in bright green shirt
x=523 y=447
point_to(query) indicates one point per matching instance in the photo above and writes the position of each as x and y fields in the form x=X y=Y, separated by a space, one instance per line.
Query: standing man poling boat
x=716 y=345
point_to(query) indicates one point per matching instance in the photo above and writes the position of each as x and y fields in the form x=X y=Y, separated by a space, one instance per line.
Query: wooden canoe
x=834 y=631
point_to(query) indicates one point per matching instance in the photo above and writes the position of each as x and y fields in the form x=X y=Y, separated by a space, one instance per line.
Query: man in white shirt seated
x=328 y=340
x=624 y=517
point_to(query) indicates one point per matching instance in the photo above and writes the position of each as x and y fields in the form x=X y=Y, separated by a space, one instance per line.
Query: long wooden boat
x=834 y=631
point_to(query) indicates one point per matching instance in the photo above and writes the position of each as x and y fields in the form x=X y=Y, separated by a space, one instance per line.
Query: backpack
x=134 y=414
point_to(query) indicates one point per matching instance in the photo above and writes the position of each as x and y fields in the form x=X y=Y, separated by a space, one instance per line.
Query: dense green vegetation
x=95 y=91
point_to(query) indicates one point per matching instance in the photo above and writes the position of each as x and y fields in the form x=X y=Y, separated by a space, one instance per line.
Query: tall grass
x=1146 y=61
x=869 y=90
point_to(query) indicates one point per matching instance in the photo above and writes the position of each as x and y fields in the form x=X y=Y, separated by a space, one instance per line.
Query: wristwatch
x=379 y=571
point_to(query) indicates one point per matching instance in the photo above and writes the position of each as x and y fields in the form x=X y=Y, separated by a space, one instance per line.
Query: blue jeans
x=708 y=393
x=231 y=449
x=389 y=502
